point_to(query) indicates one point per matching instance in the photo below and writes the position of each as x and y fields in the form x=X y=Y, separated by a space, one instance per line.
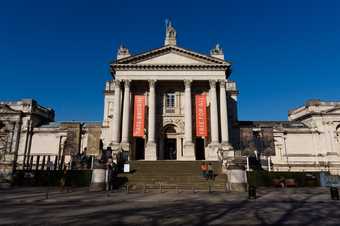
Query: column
x=223 y=112
x=150 y=151
x=213 y=113
x=225 y=145
x=189 y=149
x=187 y=113
x=126 y=116
x=116 y=115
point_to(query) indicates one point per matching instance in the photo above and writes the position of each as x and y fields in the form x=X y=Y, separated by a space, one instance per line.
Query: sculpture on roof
x=217 y=50
x=170 y=34
x=122 y=52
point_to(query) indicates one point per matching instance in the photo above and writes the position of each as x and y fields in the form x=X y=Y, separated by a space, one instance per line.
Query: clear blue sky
x=58 y=52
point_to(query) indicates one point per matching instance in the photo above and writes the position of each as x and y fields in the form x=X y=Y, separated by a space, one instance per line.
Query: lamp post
x=49 y=167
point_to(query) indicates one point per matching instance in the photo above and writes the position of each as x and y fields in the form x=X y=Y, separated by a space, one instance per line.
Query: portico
x=169 y=122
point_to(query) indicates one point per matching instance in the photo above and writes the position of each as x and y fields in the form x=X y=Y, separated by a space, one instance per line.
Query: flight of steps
x=179 y=175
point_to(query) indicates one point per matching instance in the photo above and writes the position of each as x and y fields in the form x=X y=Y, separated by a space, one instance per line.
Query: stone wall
x=93 y=139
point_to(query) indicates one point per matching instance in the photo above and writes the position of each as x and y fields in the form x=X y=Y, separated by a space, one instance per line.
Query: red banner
x=201 y=116
x=138 y=116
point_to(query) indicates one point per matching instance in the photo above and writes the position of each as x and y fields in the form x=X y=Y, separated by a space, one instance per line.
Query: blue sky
x=58 y=52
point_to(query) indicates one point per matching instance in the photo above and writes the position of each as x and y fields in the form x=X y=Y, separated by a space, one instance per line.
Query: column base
x=151 y=151
x=227 y=151
x=188 y=152
x=115 y=147
x=125 y=146
x=211 y=152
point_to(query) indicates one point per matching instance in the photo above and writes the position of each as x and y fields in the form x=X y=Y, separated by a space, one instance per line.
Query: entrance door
x=170 y=149
x=199 y=148
x=140 y=149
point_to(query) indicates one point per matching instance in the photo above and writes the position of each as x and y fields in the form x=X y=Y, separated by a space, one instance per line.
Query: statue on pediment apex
x=170 y=34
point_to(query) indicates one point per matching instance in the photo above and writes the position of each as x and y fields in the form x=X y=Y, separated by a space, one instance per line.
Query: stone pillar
x=224 y=117
x=116 y=117
x=213 y=112
x=189 y=149
x=213 y=147
x=151 y=149
x=126 y=116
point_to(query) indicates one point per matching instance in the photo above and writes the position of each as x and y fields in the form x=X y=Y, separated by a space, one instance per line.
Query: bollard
x=334 y=193
x=252 y=192
x=127 y=188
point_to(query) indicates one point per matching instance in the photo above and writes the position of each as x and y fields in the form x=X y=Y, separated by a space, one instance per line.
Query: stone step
x=169 y=187
x=184 y=175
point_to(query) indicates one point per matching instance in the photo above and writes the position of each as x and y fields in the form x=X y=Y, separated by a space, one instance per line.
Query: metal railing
x=39 y=162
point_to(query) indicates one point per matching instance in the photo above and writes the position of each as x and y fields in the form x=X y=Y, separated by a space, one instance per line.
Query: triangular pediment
x=172 y=58
x=171 y=55
x=5 y=109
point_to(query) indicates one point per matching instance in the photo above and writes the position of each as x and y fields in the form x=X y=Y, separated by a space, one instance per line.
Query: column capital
x=127 y=83
x=187 y=83
x=116 y=82
x=152 y=82
x=212 y=84
x=223 y=83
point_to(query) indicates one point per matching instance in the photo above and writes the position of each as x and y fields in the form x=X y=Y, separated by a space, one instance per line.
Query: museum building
x=169 y=103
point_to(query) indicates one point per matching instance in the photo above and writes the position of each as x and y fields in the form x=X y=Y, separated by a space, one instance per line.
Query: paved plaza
x=300 y=206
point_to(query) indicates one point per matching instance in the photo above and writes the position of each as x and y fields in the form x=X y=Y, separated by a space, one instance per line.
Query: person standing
x=63 y=178
x=210 y=171
x=110 y=173
x=204 y=169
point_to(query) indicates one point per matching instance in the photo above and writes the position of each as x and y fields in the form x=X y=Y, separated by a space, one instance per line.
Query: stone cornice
x=5 y=109
x=169 y=67
x=152 y=53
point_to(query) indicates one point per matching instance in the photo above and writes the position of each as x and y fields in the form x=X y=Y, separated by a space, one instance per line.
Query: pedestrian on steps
x=210 y=171
x=204 y=169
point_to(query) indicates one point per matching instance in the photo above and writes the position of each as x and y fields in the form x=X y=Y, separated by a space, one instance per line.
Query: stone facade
x=28 y=132
x=169 y=77
x=311 y=139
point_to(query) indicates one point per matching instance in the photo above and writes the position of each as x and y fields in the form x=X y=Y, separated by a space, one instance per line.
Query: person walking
x=210 y=171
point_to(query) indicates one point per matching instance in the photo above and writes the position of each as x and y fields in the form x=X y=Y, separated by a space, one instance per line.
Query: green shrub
x=265 y=178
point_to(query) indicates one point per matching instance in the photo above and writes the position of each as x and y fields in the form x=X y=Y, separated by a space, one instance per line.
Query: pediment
x=171 y=55
x=172 y=58
x=5 y=109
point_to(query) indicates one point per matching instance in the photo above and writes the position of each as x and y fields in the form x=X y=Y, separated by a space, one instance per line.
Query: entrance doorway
x=140 y=149
x=199 y=148
x=170 y=149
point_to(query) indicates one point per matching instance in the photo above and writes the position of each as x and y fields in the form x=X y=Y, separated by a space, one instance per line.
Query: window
x=170 y=101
